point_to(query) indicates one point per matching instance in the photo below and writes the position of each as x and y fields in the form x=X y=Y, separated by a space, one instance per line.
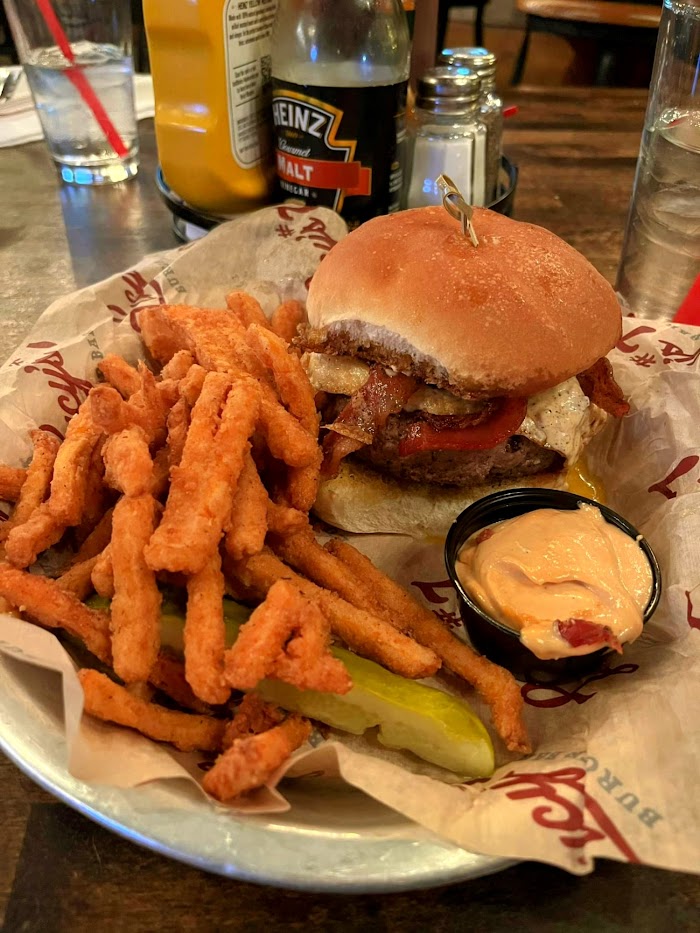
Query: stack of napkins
x=19 y=121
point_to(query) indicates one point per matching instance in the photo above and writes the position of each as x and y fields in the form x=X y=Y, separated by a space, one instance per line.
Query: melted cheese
x=561 y=418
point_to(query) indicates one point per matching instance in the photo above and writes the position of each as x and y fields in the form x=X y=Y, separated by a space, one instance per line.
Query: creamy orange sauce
x=548 y=566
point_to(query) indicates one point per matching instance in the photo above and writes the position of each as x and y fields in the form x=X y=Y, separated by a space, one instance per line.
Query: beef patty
x=516 y=456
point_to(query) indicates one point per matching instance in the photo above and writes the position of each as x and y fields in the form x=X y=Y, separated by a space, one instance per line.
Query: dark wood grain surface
x=58 y=871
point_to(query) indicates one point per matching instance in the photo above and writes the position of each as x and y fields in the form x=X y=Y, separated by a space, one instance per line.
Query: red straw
x=689 y=311
x=78 y=79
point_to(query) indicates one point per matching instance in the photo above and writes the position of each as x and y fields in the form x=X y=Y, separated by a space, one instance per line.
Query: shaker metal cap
x=479 y=60
x=448 y=90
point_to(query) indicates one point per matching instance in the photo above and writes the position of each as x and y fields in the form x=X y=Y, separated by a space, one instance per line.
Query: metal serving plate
x=334 y=839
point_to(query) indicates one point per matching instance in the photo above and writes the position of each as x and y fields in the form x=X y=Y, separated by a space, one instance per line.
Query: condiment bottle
x=483 y=63
x=340 y=72
x=448 y=137
x=210 y=61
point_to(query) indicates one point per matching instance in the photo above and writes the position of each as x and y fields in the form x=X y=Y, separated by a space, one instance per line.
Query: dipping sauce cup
x=499 y=642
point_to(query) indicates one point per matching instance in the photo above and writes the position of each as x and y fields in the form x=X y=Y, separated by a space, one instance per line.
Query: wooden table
x=58 y=871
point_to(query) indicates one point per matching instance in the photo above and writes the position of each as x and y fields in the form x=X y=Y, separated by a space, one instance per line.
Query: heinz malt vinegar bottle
x=340 y=71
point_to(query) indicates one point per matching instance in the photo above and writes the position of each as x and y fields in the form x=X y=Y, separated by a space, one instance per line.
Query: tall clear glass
x=77 y=58
x=661 y=252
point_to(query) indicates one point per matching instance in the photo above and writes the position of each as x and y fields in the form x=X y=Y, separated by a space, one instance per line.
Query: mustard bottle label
x=247 y=38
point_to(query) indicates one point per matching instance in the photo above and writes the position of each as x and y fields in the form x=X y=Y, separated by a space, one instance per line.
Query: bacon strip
x=579 y=632
x=598 y=383
x=364 y=415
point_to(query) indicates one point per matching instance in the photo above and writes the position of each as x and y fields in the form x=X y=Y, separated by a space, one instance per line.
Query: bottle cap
x=448 y=90
x=477 y=59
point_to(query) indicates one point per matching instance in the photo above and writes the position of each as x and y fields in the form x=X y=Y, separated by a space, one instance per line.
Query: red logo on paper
x=682 y=467
x=139 y=294
x=73 y=390
x=693 y=620
x=550 y=695
x=431 y=594
x=577 y=825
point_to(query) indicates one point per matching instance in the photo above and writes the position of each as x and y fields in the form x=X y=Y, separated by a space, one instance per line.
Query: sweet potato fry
x=41 y=531
x=44 y=600
x=146 y=409
x=97 y=540
x=128 y=463
x=190 y=386
x=158 y=335
x=286 y=438
x=262 y=638
x=112 y=703
x=78 y=578
x=119 y=374
x=283 y=521
x=37 y=482
x=253 y=715
x=103 y=574
x=203 y=485
x=168 y=676
x=71 y=467
x=178 y=426
x=247 y=309
x=11 y=480
x=302 y=485
x=303 y=552
x=307 y=663
x=216 y=338
x=248 y=525
x=205 y=633
x=292 y=383
x=96 y=493
x=136 y=604
x=361 y=631
x=161 y=473
x=286 y=319
x=251 y=761
x=496 y=685
x=286 y=637
x=178 y=367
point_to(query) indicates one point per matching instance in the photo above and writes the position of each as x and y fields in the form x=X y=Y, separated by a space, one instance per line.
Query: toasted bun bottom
x=361 y=500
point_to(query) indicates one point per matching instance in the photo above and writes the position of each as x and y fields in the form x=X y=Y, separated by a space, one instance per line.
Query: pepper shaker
x=483 y=63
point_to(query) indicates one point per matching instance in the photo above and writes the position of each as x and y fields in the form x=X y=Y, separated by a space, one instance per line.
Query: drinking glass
x=77 y=58
x=661 y=252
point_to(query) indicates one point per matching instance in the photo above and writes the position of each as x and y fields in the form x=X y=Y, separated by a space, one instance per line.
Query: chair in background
x=612 y=24
x=7 y=45
x=443 y=17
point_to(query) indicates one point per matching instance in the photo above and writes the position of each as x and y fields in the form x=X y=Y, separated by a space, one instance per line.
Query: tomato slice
x=422 y=436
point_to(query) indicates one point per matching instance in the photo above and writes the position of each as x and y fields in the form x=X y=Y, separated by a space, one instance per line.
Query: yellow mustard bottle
x=210 y=61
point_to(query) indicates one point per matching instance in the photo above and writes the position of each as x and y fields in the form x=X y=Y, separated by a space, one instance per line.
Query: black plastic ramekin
x=495 y=640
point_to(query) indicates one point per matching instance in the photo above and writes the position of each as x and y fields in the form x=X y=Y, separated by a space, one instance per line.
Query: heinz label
x=340 y=147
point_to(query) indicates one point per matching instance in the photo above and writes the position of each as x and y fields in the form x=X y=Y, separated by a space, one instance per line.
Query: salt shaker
x=448 y=137
x=483 y=63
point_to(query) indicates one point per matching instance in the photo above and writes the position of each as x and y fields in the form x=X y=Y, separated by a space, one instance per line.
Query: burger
x=446 y=370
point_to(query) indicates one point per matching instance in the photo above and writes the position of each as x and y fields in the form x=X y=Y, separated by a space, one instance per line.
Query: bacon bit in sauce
x=484 y=535
x=582 y=632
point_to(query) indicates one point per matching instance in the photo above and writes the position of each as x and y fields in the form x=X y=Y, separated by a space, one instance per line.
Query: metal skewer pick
x=457 y=207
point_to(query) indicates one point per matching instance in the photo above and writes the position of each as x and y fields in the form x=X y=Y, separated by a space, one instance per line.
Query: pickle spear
x=435 y=726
